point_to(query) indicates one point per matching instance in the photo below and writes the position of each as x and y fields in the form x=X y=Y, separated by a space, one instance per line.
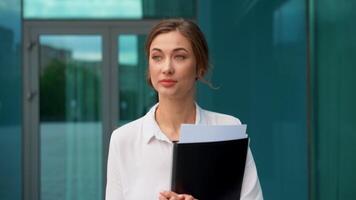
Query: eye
x=156 y=58
x=180 y=57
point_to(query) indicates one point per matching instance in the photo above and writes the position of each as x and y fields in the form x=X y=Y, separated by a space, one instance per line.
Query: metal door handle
x=30 y=95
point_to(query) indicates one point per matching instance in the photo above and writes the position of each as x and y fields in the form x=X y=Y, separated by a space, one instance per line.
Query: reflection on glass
x=70 y=121
x=126 y=9
x=10 y=100
x=260 y=67
x=334 y=100
x=135 y=96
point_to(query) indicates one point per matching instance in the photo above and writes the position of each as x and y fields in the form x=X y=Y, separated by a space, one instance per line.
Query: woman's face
x=172 y=65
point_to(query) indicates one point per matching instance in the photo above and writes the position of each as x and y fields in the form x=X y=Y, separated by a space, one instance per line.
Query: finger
x=186 y=197
x=169 y=194
x=165 y=194
x=189 y=197
x=161 y=197
x=174 y=197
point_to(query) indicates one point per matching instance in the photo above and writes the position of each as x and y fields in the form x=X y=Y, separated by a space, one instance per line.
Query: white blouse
x=140 y=159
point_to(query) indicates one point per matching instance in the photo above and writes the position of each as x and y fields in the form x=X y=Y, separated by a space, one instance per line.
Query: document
x=190 y=133
x=209 y=161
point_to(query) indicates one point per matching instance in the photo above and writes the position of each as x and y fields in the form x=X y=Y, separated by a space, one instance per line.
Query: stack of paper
x=190 y=133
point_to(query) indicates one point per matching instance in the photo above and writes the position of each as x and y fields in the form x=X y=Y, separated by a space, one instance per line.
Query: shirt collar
x=151 y=129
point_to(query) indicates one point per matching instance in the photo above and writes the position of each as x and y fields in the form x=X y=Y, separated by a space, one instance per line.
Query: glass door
x=66 y=129
x=81 y=81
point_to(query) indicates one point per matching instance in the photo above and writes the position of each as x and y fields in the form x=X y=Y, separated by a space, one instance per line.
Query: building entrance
x=81 y=81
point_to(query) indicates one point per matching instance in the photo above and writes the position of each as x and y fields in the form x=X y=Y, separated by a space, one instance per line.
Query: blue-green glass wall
x=334 y=99
x=10 y=100
x=258 y=51
x=108 y=9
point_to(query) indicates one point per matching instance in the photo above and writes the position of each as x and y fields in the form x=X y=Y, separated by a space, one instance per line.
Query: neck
x=171 y=113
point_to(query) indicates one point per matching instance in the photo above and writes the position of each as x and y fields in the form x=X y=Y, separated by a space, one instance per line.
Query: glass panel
x=334 y=100
x=259 y=63
x=70 y=117
x=94 y=9
x=10 y=100
x=135 y=96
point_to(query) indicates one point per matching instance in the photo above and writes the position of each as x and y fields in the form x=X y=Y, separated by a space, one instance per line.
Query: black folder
x=209 y=170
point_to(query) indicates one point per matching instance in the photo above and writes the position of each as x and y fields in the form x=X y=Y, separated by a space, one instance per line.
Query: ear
x=200 y=74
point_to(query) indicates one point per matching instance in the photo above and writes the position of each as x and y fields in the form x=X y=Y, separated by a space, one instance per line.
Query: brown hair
x=192 y=32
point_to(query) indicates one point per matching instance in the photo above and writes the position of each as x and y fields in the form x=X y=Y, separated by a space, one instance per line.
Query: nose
x=168 y=67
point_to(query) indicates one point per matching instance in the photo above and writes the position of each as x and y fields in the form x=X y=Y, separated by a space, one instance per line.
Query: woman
x=140 y=153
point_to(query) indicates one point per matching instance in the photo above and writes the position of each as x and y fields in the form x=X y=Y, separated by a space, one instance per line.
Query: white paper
x=191 y=133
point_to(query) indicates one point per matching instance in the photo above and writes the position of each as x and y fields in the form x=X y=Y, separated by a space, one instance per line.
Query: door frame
x=109 y=31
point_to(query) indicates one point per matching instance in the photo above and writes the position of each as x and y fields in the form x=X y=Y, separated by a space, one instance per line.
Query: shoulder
x=216 y=118
x=127 y=132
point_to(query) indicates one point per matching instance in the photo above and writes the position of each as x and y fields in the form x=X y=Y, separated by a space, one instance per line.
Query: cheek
x=152 y=65
x=189 y=71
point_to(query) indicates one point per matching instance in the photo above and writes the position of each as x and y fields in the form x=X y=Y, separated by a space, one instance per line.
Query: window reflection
x=70 y=78
x=83 y=9
x=107 y=9
x=70 y=117
x=11 y=137
x=135 y=96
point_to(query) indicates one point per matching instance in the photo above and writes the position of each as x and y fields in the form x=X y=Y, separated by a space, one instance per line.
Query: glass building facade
x=334 y=97
x=71 y=71
x=108 y=9
x=260 y=66
x=10 y=100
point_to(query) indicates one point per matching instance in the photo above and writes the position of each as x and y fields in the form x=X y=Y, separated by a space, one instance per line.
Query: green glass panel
x=10 y=100
x=135 y=96
x=258 y=51
x=70 y=117
x=334 y=99
x=107 y=9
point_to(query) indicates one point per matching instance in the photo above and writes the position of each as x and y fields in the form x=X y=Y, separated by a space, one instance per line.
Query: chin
x=174 y=94
x=168 y=93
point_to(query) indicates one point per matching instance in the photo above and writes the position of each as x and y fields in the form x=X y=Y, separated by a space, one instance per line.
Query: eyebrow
x=174 y=50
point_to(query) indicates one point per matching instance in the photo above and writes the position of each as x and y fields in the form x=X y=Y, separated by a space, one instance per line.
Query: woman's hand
x=169 y=195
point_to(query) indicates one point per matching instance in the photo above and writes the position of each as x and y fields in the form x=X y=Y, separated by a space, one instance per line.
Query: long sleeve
x=251 y=188
x=113 y=184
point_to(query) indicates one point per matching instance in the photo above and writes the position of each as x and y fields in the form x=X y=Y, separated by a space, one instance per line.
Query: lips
x=167 y=82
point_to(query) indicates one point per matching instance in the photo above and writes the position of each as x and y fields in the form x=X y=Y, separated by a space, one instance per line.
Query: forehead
x=170 y=40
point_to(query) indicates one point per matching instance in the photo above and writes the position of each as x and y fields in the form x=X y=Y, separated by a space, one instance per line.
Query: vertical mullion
x=36 y=135
x=105 y=103
x=26 y=122
x=31 y=156
x=114 y=77
x=110 y=93
x=311 y=89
